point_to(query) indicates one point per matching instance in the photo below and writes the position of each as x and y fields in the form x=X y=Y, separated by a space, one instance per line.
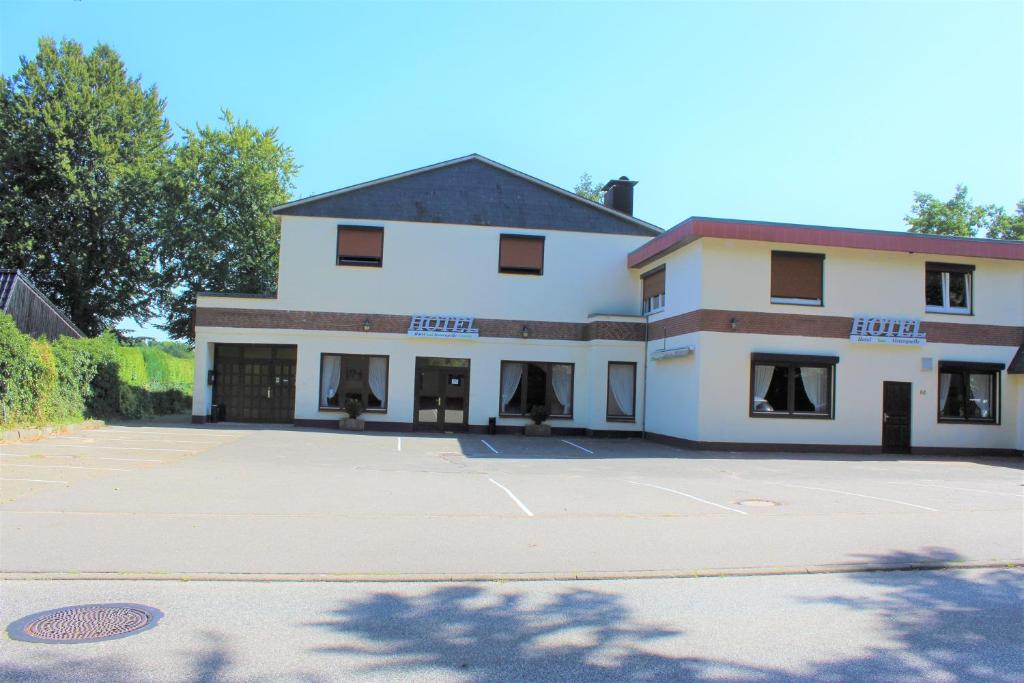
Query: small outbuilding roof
x=32 y=310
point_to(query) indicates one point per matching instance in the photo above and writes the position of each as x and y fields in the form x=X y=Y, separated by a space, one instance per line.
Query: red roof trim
x=787 y=233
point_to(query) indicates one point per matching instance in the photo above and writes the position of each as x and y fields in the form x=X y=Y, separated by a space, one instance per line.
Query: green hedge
x=72 y=379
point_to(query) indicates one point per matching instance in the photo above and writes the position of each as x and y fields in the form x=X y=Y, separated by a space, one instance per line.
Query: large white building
x=458 y=296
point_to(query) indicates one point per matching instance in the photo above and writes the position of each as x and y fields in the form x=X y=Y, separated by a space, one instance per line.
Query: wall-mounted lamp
x=732 y=323
x=366 y=325
x=525 y=332
x=210 y=377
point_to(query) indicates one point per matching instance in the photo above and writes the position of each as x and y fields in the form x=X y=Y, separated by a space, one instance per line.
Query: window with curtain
x=525 y=384
x=947 y=288
x=344 y=376
x=621 y=392
x=969 y=392
x=792 y=386
x=653 y=290
x=360 y=246
x=797 y=278
x=521 y=254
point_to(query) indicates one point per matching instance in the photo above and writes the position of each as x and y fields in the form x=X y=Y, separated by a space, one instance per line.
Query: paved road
x=176 y=499
x=940 y=626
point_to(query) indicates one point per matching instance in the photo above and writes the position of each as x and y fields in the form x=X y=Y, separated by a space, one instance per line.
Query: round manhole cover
x=84 y=623
x=757 y=503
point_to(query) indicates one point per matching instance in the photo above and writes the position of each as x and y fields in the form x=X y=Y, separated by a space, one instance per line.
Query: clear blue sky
x=825 y=113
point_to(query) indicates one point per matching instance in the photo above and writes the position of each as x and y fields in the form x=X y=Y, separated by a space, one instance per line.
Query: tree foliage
x=217 y=230
x=961 y=217
x=82 y=146
x=588 y=189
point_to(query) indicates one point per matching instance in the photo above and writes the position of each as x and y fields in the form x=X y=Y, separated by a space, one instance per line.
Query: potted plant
x=538 y=414
x=351 y=421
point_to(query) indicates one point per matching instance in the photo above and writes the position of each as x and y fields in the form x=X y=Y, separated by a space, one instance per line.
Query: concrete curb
x=512 y=576
x=37 y=433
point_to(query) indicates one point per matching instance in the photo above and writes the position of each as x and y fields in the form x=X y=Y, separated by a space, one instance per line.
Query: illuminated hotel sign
x=443 y=326
x=871 y=329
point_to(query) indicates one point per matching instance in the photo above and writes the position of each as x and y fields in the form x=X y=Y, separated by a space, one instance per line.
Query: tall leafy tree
x=217 y=231
x=81 y=150
x=588 y=189
x=1007 y=226
x=961 y=217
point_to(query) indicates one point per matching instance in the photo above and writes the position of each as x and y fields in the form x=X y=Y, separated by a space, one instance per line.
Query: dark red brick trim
x=826 y=326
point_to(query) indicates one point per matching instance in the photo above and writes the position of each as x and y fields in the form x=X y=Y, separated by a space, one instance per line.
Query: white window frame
x=945 y=307
x=654 y=304
x=796 y=302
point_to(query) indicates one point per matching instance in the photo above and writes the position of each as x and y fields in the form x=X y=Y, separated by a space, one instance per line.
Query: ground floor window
x=969 y=392
x=525 y=384
x=344 y=376
x=621 y=392
x=792 y=386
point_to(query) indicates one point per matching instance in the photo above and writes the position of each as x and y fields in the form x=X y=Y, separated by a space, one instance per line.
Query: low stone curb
x=37 y=433
x=501 y=577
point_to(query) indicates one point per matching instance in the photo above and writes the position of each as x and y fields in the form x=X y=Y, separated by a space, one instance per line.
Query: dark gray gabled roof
x=33 y=312
x=470 y=190
x=1017 y=364
x=7 y=280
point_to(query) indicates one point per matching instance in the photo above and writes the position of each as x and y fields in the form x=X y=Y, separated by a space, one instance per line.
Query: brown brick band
x=399 y=324
x=827 y=326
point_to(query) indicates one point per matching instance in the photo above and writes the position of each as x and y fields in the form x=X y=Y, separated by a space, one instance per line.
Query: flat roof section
x=695 y=227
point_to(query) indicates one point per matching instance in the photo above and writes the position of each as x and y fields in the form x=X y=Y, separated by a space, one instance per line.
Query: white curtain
x=762 y=380
x=378 y=377
x=329 y=378
x=561 y=382
x=945 y=379
x=620 y=379
x=816 y=386
x=511 y=375
x=981 y=393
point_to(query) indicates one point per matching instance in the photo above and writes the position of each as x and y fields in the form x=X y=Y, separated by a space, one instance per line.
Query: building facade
x=461 y=295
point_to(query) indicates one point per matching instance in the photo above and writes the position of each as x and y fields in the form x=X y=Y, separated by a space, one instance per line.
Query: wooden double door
x=896 y=417
x=254 y=382
x=442 y=394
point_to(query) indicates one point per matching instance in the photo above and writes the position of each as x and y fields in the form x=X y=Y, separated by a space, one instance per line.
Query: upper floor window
x=792 y=386
x=344 y=376
x=654 y=290
x=360 y=246
x=521 y=254
x=969 y=392
x=947 y=288
x=524 y=385
x=797 y=278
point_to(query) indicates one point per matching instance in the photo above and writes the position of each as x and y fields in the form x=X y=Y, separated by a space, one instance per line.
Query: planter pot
x=348 y=424
x=538 y=430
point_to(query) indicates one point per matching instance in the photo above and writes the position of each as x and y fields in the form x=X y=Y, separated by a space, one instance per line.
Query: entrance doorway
x=442 y=394
x=254 y=382
x=896 y=417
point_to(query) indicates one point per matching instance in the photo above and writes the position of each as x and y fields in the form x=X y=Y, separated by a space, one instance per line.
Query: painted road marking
x=40 y=481
x=960 y=488
x=512 y=495
x=130 y=460
x=860 y=495
x=399 y=442
x=36 y=455
x=65 y=467
x=493 y=450
x=120 y=440
x=576 y=445
x=687 y=495
x=122 y=448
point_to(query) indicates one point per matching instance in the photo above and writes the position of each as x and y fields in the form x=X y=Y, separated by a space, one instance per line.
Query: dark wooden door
x=896 y=417
x=255 y=383
x=442 y=396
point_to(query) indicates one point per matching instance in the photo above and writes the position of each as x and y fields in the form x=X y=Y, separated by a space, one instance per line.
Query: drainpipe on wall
x=643 y=402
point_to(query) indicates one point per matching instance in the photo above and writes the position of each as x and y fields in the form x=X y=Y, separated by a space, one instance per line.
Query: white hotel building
x=457 y=296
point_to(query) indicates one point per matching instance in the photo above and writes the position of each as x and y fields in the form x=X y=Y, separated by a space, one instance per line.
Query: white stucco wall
x=674 y=395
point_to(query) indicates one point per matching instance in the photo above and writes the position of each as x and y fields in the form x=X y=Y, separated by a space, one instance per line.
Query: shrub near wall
x=71 y=379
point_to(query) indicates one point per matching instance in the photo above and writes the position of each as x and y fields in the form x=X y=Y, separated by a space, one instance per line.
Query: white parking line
x=130 y=460
x=40 y=481
x=65 y=467
x=687 y=495
x=859 y=495
x=512 y=496
x=493 y=450
x=36 y=455
x=120 y=440
x=399 y=442
x=122 y=448
x=576 y=445
x=960 y=488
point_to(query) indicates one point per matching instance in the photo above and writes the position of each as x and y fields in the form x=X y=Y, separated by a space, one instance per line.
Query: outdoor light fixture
x=732 y=323
x=366 y=325
x=525 y=332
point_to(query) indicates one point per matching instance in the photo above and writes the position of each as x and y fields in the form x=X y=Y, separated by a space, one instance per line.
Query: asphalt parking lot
x=177 y=500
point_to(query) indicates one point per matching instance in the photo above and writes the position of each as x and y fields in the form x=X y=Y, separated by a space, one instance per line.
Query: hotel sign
x=871 y=329
x=443 y=326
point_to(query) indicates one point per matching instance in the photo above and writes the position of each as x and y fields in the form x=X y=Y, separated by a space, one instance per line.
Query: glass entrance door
x=442 y=394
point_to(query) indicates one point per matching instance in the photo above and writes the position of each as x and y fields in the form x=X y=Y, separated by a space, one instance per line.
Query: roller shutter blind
x=521 y=254
x=360 y=246
x=797 y=275
x=654 y=284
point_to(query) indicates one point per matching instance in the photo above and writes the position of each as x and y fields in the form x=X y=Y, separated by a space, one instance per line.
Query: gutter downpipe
x=643 y=403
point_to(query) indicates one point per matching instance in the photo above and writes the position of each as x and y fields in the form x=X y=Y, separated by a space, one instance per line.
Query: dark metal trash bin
x=213 y=413
x=492 y=425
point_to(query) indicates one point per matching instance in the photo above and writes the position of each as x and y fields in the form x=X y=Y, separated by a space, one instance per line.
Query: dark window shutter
x=796 y=276
x=654 y=284
x=521 y=254
x=361 y=244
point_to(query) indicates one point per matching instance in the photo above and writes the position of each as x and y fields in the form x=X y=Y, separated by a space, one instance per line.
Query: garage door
x=254 y=382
